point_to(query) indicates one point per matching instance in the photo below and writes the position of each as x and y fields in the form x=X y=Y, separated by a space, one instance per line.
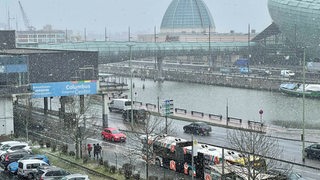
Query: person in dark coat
x=98 y=151
x=94 y=150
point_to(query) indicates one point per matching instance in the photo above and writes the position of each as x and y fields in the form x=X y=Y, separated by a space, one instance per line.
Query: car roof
x=31 y=161
x=18 y=144
x=76 y=175
x=202 y=123
x=8 y=142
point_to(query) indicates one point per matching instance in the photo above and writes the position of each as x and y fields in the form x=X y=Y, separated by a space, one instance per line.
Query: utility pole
x=131 y=94
x=303 y=104
x=210 y=56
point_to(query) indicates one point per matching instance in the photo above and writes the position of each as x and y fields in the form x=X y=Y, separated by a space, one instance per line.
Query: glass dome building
x=187 y=17
x=299 y=21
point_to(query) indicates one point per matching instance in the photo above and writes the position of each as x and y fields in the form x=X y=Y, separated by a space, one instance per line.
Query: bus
x=176 y=154
x=191 y=158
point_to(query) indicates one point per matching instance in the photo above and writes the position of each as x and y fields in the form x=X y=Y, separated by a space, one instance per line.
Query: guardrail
x=180 y=111
x=233 y=119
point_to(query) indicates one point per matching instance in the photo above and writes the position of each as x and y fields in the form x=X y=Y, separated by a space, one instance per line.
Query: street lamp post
x=210 y=58
x=303 y=104
x=131 y=94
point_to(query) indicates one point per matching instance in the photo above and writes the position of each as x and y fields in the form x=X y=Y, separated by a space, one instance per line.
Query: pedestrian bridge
x=115 y=51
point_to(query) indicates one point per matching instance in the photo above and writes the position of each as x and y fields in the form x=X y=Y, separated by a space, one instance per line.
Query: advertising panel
x=70 y=88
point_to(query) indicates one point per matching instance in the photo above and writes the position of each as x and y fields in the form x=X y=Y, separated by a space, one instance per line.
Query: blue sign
x=71 y=88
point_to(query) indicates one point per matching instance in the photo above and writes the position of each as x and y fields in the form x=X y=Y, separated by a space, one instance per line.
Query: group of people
x=96 y=150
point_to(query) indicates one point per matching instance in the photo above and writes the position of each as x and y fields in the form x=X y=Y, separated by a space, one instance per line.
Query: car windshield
x=116 y=131
x=5 y=147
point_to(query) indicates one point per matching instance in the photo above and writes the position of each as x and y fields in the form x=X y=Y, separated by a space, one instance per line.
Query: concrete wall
x=6 y=116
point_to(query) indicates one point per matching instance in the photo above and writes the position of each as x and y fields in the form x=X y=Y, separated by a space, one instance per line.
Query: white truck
x=313 y=66
x=287 y=73
x=119 y=104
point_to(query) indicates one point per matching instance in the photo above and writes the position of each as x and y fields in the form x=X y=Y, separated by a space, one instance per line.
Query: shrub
x=100 y=161
x=72 y=153
x=53 y=147
x=64 y=148
x=48 y=144
x=136 y=176
x=85 y=159
x=106 y=164
x=113 y=169
x=127 y=168
x=41 y=143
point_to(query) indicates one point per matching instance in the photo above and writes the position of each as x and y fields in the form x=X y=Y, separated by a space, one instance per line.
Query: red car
x=113 y=134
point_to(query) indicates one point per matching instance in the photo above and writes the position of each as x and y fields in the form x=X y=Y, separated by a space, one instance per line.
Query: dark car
x=200 y=128
x=10 y=157
x=139 y=115
x=285 y=174
x=313 y=151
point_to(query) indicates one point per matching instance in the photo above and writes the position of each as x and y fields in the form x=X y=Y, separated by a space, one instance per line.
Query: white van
x=28 y=168
x=119 y=104
x=287 y=73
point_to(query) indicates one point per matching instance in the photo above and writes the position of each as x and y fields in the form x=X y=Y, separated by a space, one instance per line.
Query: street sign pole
x=167 y=111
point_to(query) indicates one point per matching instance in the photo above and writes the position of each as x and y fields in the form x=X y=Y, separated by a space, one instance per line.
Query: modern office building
x=299 y=22
x=37 y=73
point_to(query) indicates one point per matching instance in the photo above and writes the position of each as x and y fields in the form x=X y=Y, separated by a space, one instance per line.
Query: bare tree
x=79 y=123
x=144 y=136
x=253 y=147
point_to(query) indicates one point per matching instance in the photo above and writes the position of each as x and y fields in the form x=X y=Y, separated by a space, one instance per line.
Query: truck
x=313 y=66
x=119 y=105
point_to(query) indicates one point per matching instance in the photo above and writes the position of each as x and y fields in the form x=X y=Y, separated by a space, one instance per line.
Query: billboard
x=70 y=88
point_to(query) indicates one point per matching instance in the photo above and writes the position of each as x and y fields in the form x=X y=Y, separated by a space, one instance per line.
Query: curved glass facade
x=187 y=16
x=299 y=21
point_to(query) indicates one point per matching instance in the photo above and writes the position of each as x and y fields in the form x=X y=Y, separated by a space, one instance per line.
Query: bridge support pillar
x=159 y=64
x=105 y=110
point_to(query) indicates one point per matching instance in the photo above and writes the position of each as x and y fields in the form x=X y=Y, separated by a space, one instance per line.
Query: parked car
x=113 y=134
x=13 y=167
x=15 y=147
x=313 y=151
x=76 y=177
x=200 y=128
x=28 y=168
x=264 y=72
x=285 y=174
x=139 y=115
x=7 y=142
x=50 y=173
x=10 y=157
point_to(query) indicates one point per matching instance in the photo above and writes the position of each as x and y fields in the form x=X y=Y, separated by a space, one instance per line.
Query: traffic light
x=168 y=107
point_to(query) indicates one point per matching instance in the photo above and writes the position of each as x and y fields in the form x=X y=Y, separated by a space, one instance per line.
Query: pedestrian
x=98 y=147
x=94 y=150
x=89 y=147
x=99 y=150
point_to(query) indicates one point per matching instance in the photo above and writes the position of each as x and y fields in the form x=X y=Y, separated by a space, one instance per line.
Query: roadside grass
x=295 y=124
x=91 y=164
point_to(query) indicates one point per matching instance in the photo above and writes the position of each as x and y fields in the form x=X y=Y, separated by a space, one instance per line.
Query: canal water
x=241 y=103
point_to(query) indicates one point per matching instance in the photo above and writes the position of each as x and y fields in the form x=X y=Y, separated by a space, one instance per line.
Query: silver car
x=51 y=172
